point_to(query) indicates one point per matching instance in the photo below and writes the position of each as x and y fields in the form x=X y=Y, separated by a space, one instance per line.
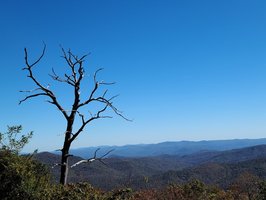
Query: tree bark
x=65 y=152
x=64 y=167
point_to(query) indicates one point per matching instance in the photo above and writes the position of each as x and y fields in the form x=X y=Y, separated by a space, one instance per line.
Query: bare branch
x=94 y=158
x=82 y=117
x=85 y=122
x=29 y=91
x=46 y=91
x=102 y=99
x=110 y=105
x=107 y=153
x=38 y=60
x=31 y=96
x=105 y=92
x=79 y=162
x=68 y=79
x=78 y=60
x=95 y=152
x=67 y=59
x=106 y=83
x=95 y=74
x=58 y=150
x=55 y=76
x=96 y=85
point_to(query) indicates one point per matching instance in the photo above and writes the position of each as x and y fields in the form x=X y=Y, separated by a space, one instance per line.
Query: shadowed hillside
x=212 y=167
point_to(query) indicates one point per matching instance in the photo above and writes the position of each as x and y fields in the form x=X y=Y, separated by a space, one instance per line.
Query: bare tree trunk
x=65 y=153
x=64 y=167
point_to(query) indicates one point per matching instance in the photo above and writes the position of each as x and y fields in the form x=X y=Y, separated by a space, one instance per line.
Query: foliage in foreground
x=11 y=141
x=22 y=177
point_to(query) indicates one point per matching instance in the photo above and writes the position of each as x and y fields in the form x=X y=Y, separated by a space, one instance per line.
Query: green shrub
x=78 y=191
x=21 y=177
x=10 y=140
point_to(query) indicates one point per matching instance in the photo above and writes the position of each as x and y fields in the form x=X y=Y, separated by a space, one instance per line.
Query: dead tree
x=73 y=79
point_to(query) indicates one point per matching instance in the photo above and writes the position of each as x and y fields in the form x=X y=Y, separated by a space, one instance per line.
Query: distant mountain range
x=221 y=168
x=169 y=148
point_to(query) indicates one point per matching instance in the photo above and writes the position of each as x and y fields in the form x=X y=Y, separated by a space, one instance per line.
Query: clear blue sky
x=185 y=70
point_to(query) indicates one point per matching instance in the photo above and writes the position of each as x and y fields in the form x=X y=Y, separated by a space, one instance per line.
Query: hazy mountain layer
x=214 y=167
x=169 y=148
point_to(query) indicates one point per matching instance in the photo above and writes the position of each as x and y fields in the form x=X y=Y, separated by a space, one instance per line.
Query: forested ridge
x=221 y=169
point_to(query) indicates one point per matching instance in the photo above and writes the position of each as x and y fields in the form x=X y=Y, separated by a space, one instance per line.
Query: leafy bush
x=78 y=191
x=21 y=177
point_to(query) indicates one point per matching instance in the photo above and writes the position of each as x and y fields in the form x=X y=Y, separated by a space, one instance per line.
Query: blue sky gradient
x=185 y=70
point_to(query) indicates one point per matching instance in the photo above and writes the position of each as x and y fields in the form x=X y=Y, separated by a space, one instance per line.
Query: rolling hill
x=212 y=167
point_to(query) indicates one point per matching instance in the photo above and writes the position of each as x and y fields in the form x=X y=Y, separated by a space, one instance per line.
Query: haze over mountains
x=219 y=163
x=221 y=168
x=168 y=148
